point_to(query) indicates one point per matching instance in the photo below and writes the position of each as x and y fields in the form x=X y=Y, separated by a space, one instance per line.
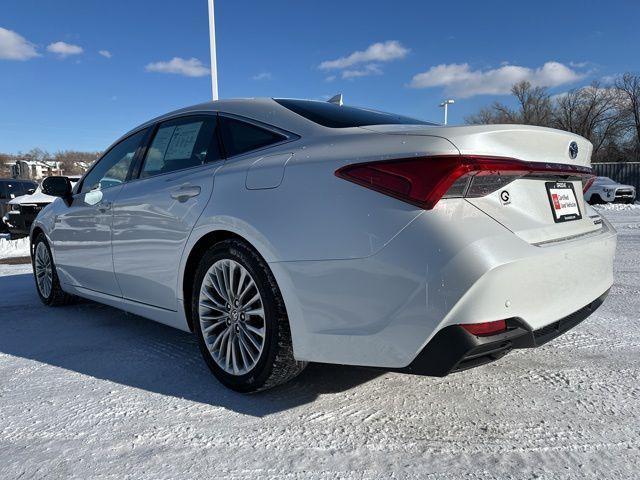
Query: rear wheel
x=595 y=199
x=46 y=277
x=240 y=319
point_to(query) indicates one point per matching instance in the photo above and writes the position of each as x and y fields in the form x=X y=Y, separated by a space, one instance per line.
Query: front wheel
x=46 y=277
x=240 y=319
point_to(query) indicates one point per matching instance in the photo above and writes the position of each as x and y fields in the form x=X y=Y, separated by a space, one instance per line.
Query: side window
x=240 y=137
x=182 y=143
x=112 y=169
x=14 y=189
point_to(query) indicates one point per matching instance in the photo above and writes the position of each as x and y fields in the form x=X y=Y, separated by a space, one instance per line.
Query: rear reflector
x=423 y=181
x=486 y=328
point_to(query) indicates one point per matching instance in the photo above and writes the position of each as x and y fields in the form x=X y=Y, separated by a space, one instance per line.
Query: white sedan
x=286 y=231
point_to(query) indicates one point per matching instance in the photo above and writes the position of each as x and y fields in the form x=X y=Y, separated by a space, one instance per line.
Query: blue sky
x=57 y=91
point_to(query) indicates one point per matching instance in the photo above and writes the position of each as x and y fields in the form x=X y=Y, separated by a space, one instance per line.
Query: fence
x=623 y=172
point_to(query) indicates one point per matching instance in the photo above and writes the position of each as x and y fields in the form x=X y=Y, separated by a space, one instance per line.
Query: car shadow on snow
x=109 y=344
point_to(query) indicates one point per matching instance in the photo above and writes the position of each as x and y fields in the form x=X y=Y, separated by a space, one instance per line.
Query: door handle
x=104 y=206
x=185 y=192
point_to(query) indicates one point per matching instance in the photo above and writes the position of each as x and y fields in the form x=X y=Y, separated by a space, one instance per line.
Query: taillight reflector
x=486 y=328
x=423 y=181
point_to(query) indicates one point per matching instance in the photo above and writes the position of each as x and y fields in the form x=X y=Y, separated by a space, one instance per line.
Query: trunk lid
x=526 y=205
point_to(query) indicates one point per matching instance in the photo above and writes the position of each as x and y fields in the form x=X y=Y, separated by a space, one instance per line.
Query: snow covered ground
x=89 y=391
x=14 y=248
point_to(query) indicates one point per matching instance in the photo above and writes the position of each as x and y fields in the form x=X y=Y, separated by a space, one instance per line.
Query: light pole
x=445 y=104
x=212 y=41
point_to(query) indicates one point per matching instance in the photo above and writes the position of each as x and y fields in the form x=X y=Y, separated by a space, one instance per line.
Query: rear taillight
x=486 y=328
x=423 y=181
x=587 y=182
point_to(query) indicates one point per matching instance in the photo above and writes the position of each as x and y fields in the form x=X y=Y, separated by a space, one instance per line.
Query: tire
x=53 y=296
x=243 y=361
x=595 y=199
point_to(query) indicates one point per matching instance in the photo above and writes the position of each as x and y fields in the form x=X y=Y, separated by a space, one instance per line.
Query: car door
x=82 y=232
x=155 y=213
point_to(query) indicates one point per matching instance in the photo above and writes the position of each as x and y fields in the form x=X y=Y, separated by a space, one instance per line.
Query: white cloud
x=377 y=52
x=105 y=53
x=15 y=47
x=459 y=79
x=370 y=69
x=63 y=49
x=262 y=76
x=330 y=78
x=191 y=67
x=578 y=64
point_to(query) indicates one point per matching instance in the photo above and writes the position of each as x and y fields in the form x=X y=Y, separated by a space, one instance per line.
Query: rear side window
x=182 y=143
x=240 y=137
x=336 y=116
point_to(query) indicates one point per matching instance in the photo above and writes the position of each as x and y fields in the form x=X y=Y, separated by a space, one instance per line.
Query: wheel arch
x=205 y=242
x=34 y=234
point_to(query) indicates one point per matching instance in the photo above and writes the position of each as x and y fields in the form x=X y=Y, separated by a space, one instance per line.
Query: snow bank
x=617 y=206
x=14 y=248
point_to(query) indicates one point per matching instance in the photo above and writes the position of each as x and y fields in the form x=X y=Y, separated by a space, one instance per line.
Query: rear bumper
x=453 y=349
x=450 y=266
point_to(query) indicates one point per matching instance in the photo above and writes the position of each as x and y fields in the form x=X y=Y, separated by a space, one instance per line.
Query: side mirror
x=57 y=186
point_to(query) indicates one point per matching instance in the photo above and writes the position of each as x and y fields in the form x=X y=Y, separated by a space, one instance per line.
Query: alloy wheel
x=43 y=270
x=232 y=317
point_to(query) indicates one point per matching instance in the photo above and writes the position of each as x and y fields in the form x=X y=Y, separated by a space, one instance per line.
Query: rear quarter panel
x=312 y=214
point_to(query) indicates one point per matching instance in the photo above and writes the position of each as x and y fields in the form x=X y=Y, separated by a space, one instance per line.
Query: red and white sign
x=565 y=204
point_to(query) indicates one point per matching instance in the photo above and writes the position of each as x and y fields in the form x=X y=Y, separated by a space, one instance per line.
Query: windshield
x=336 y=116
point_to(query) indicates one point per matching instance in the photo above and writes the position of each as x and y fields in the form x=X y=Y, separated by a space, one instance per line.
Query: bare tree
x=535 y=104
x=5 y=168
x=592 y=112
x=629 y=87
x=496 y=113
x=534 y=108
x=71 y=162
x=74 y=162
x=608 y=116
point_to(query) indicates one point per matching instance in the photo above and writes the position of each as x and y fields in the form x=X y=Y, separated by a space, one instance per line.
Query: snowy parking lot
x=89 y=391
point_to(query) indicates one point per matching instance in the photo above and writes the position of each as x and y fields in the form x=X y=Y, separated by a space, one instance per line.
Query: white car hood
x=36 y=197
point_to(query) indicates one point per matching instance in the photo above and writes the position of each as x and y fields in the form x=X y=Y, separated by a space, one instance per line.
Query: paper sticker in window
x=182 y=141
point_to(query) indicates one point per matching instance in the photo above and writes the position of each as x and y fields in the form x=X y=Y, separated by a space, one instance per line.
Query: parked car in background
x=282 y=232
x=606 y=190
x=23 y=210
x=11 y=188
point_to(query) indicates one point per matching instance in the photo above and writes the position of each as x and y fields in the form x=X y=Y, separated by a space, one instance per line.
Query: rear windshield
x=336 y=116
